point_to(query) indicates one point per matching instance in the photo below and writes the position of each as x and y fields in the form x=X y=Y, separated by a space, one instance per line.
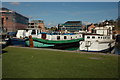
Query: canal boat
x=56 y=40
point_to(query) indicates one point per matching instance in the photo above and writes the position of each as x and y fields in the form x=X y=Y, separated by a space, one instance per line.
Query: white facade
x=106 y=30
x=100 y=30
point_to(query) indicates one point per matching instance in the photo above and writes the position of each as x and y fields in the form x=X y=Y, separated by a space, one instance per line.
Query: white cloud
x=15 y=3
x=86 y=23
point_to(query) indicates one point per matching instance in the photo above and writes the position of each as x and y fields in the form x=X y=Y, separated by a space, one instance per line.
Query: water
x=117 y=51
x=17 y=42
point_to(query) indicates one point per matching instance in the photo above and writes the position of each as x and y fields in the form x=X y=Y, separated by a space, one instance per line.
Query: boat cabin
x=68 y=36
x=27 y=32
x=95 y=37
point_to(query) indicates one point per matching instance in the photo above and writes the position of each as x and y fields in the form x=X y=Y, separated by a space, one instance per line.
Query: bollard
x=31 y=41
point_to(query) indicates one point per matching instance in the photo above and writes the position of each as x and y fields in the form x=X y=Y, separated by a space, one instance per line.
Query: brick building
x=12 y=21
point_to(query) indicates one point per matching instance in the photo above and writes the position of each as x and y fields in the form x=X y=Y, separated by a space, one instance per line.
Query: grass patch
x=35 y=63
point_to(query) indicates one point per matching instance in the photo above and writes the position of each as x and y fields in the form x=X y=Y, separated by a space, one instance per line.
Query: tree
x=53 y=28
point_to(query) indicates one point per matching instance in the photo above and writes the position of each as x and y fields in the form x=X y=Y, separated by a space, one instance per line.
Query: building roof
x=36 y=21
x=72 y=22
x=3 y=8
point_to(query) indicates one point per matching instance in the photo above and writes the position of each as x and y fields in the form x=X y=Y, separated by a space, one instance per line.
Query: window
x=65 y=37
x=32 y=26
x=108 y=37
x=88 y=37
x=32 y=23
x=33 y=32
x=98 y=37
x=101 y=37
x=93 y=37
x=6 y=18
x=58 y=37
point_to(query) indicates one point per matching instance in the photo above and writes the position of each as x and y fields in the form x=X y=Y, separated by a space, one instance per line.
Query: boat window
x=88 y=37
x=58 y=37
x=101 y=37
x=6 y=18
x=71 y=37
x=33 y=32
x=108 y=37
x=98 y=37
x=93 y=37
x=105 y=37
x=27 y=30
x=65 y=37
x=76 y=36
x=80 y=35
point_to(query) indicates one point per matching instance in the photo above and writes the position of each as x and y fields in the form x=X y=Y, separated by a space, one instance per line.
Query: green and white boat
x=57 y=41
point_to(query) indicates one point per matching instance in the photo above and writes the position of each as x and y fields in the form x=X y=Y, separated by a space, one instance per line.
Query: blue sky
x=54 y=13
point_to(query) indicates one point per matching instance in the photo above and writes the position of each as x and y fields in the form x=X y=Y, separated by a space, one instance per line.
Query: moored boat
x=57 y=41
x=97 y=43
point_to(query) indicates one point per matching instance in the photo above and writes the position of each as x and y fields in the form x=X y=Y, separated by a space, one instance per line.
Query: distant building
x=71 y=26
x=12 y=21
x=37 y=24
x=103 y=30
x=90 y=28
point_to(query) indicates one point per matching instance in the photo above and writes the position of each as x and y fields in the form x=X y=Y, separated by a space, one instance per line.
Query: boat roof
x=32 y=28
x=91 y=34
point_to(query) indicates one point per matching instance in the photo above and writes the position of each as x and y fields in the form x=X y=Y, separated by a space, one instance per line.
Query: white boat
x=96 y=43
x=25 y=33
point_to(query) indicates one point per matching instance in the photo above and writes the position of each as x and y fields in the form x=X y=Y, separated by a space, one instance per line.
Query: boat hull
x=93 y=46
x=61 y=44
